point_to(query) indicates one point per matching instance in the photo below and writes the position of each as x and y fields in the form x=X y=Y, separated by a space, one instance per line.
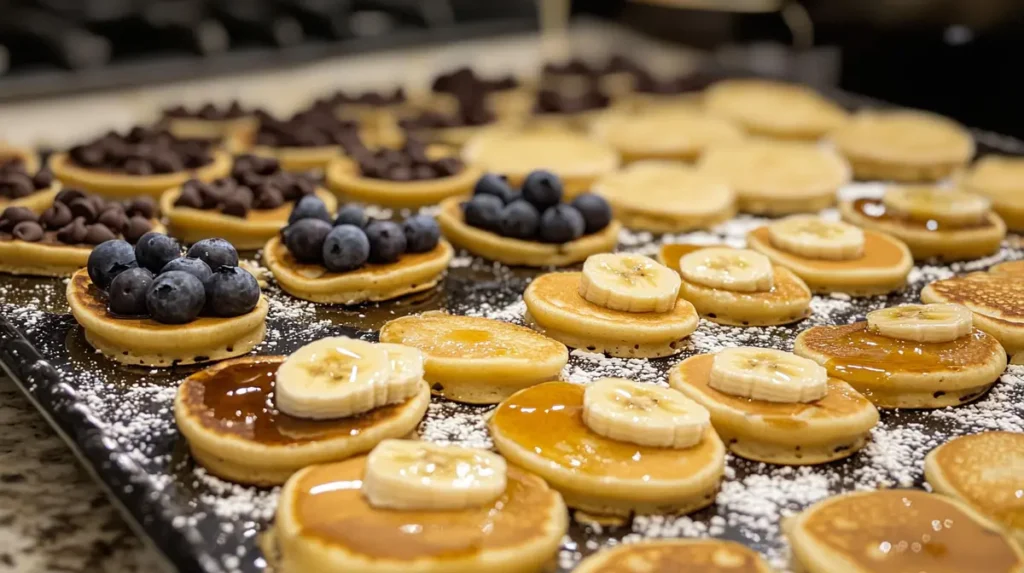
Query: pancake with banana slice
x=898 y=531
x=775 y=407
x=676 y=555
x=593 y=445
x=996 y=299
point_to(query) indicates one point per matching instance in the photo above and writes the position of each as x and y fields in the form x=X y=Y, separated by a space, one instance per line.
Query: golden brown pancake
x=898 y=531
x=676 y=556
x=48 y=257
x=542 y=429
x=146 y=342
x=343 y=178
x=896 y=373
x=996 y=299
x=825 y=430
x=986 y=471
x=1015 y=268
x=227 y=415
x=325 y=524
x=123 y=186
x=1001 y=179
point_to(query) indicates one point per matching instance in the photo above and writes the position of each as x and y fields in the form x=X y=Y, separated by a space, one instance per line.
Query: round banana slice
x=627 y=282
x=812 y=237
x=643 y=414
x=406 y=371
x=411 y=475
x=922 y=322
x=768 y=374
x=334 y=378
x=738 y=270
x=944 y=206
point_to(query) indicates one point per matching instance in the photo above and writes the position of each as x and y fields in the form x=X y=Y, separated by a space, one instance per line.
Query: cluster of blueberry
x=16 y=182
x=536 y=212
x=142 y=151
x=349 y=240
x=209 y=111
x=153 y=278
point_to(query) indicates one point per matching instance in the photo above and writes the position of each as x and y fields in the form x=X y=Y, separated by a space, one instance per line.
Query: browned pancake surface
x=988 y=471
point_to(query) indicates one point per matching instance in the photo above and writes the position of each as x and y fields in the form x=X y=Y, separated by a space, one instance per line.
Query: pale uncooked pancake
x=774 y=109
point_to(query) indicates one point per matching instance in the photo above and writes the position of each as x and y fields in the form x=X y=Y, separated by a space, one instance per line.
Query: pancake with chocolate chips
x=21 y=186
x=231 y=124
x=307 y=141
x=997 y=301
x=470 y=117
x=28 y=158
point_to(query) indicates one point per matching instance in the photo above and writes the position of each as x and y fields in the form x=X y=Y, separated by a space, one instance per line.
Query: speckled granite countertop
x=53 y=517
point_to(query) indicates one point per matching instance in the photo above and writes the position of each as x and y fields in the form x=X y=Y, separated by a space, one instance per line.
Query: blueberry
x=387 y=241
x=597 y=213
x=421 y=233
x=194 y=267
x=108 y=260
x=305 y=239
x=491 y=184
x=351 y=215
x=543 y=189
x=309 y=207
x=175 y=297
x=231 y=291
x=215 y=253
x=346 y=248
x=561 y=224
x=128 y=291
x=154 y=250
x=520 y=220
x=484 y=212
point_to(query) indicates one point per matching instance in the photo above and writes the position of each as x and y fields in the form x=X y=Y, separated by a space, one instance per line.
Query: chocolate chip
x=15 y=185
x=210 y=196
x=400 y=173
x=87 y=155
x=56 y=216
x=43 y=178
x=266 y=165
x=114 y=218
x=98 y=233
x=29 y=231
x=189 y=197
x=145 y=206
x=268 y=197
x=248 y=178
x=424 y=172
x=238 y=203
x=166 y=162
x=136 y=227
x=66 y=196
x=72 y=233
x=83 y=207
x=448 y=166
x=137 y=166
x=15 y=215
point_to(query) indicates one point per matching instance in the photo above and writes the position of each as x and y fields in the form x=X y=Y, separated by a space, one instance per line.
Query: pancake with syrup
x=228 y=415
x=675 y=556
x=477 y=360
x=556 y=309
x=325 y=523
x=896 y=373
x=985 y=471
x=798 y=433
x=997 y=301
x=411 y=273
x=542 y=429
x=898 y=531
x=146 y=342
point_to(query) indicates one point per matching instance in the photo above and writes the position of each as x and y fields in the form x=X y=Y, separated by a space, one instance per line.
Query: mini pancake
x=576 y=159
x=411 y=273
x=825 y=430
x=517 y=251
x=896 y=373
x=671 y=133
x=344 y=179
x=123 y=186
x=29 y=158
x=49 y=257
x=1015 y=268
x=778 y=177
x=478 y=360
x=301 y=159
x=145 y=342
x=997 y=301
x=325 y=524
x=788 y=301
x=676 y=555
x=1001 y=179
x=541 y=429
x=556 y=309
x=928 y=239
x=897 y=531
x=774 y=109
x=985 y=471
x=245 y=233
x=883 y=267
x=903 y=145
x=666 y=197
x=240 y=436
x=237 y=134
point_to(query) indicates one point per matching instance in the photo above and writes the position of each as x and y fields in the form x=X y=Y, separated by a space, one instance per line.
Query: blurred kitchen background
x=957 y=57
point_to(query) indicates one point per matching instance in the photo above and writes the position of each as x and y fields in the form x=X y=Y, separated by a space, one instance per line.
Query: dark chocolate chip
x=16 y=185
x=424 y=172
x=56 y=216
x=238 y=203
x=15 y=215
x=29 y=231
x=210 y=196
x=114 y=219
x=448 y=166
x=189 y=197
x=400 y=173
x=83 y=207
x=73 y=233
x=136 y=227
x=98 y=233
x=137 y=166
x=144 y=206
x=43 y=178
x=268 y=197
x=66 y=196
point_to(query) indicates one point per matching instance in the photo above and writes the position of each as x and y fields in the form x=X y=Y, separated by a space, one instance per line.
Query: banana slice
x=334 y=378
x=406 y=373
x=643 y=414
x=739 y=270
x=812 y=237
x=632 y=283
x=410 y=475
x=922 y=322
x=944 y=206
x=768 y=374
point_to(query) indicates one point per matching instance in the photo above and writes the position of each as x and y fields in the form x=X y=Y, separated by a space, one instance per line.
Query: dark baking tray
x=126 y=440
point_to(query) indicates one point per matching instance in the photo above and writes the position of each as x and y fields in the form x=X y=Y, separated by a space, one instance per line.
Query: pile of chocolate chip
x=370 y=98
x=557 y=101
x=81 y=218
x=646 y=82
x=410 y=163
x=233 y=110
x=142 y=151
x=464 y=81
x=315 y=127
x=255 y=183
x=472 y=112
x=16 y=182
